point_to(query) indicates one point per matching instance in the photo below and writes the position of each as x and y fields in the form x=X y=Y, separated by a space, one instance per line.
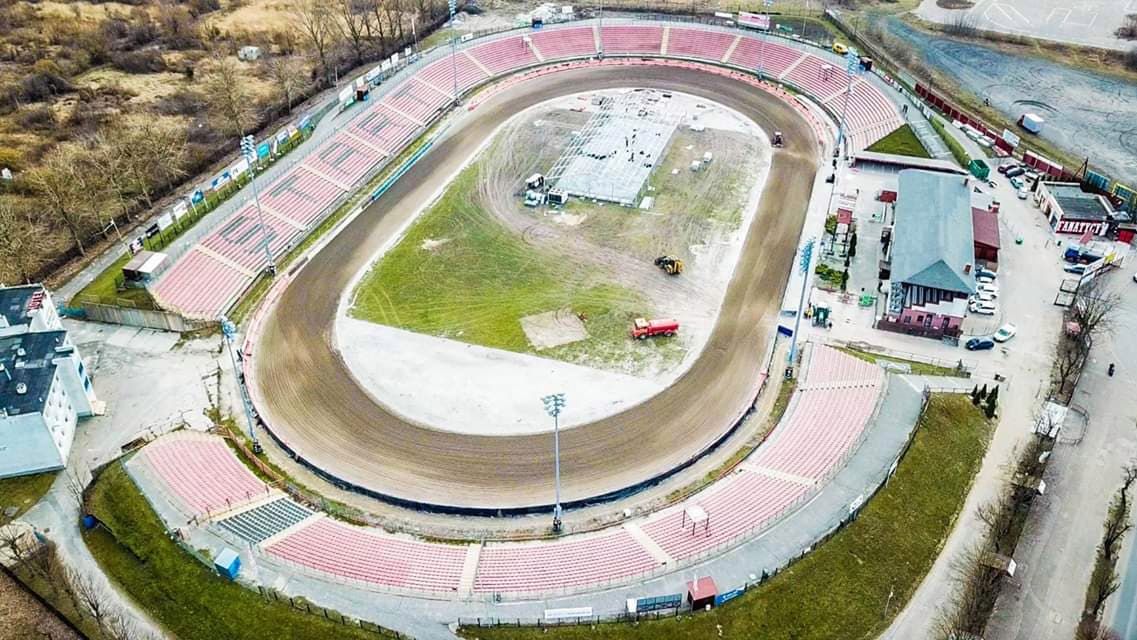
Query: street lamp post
x=554 y=404
x=229 y=330
x=248 y=149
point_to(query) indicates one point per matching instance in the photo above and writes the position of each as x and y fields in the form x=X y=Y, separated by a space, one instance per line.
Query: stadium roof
x=933 y=242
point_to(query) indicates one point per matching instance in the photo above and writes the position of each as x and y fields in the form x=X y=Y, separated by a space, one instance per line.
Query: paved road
x=1029 y=275
x=1057 y=550
x=311 y=399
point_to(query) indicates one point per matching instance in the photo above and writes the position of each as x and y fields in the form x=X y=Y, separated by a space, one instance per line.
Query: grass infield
x=901 y=142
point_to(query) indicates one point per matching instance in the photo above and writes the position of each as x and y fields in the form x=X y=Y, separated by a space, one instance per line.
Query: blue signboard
x=197 y=196
x=785 y=331
x=263 y=150
x=722 y=598
x=305 y=121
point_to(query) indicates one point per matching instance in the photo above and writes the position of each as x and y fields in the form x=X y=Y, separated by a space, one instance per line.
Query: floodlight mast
x=554 y=404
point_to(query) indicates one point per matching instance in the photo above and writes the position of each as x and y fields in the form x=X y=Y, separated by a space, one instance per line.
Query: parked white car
x=982 y=296
x=983 y=278
x=1005 y=332
x=988 y=288
x=982 y=307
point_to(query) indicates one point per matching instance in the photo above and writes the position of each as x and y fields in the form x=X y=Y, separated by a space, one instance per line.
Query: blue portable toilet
x=228 y=563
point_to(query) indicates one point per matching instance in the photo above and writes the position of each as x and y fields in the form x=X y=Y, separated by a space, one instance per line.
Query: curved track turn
x=314 y=405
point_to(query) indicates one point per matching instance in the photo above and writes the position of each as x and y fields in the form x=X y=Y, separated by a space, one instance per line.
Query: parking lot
x=1029 y=276
x=1090 y=23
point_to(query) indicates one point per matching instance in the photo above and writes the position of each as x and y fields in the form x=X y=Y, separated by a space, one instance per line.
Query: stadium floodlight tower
x=853 y=69
x=229 y=330
x=249 y=151
x=554 y=404
x=453 y=5
x=803 y=265
x=766 y=4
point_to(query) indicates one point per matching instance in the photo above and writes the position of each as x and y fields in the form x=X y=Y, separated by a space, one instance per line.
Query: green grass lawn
x=841 y=589
x=902 y=142
x=957 y=151
x=22 y=492
x=188 y=599
x=104 y=290
x=458 y=273
x=918 y=368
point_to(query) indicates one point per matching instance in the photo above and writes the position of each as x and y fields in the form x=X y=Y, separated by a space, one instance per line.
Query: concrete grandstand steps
x=649 y=545
x=469 y=570
x=730 y=50
x=478 y=63
x=265 y=520
x=790 y=69
x=780 y=475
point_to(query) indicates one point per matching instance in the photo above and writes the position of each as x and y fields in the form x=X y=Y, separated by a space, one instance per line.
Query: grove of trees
x=105 y=111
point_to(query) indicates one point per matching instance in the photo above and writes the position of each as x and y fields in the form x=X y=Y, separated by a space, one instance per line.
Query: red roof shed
x=701 y=592
x=985 y=227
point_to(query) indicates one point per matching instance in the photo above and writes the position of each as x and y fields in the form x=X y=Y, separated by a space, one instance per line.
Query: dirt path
x=312 y=403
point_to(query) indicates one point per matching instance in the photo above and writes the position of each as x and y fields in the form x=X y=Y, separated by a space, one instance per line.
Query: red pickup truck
x=643 y=329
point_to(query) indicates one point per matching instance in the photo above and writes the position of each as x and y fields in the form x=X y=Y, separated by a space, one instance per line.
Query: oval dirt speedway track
x=311 y=401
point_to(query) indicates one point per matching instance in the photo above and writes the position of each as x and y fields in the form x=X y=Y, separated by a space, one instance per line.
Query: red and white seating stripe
x=203 y=288
x=369 y=555
x=202 y=473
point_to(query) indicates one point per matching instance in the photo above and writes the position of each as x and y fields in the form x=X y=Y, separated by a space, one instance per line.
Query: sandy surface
x=309 y=398
x=453 y=386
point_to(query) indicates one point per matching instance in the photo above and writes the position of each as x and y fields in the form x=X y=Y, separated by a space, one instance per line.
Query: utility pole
x=248 y=149
x=554 y=404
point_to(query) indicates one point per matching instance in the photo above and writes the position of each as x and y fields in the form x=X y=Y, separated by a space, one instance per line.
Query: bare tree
x=63 y=185
x=89 y=596
x=318 y=23
x=154 y=154
x=106 y=156
x=17 y=233
x=354 y=26
x=1070 y=357
x=1104 y=580
x=1094 y=309
x=287 y=73
x=975 y=589
x=120 y=626
x=1128 y=28
x=378 y=16
x=998 y=515
x=227 y=96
